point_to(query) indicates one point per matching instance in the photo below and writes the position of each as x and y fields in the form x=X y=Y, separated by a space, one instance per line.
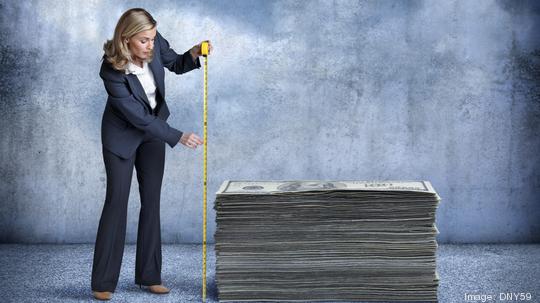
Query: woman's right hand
x=191 y=140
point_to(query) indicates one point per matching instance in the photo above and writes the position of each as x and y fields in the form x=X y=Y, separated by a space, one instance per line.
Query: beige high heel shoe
x=103 y=295
x=157 y=289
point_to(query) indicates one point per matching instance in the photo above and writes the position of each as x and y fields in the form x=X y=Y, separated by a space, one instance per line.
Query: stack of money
x=326 y=241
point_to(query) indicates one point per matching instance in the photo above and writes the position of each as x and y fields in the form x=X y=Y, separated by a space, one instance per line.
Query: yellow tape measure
x=204 y=52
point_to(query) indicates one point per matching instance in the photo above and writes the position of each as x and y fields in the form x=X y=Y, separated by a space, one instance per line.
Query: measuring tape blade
x=204 y=52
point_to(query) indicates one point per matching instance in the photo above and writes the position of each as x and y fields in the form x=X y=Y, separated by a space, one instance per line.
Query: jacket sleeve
x=174 y=62
x=123 y=101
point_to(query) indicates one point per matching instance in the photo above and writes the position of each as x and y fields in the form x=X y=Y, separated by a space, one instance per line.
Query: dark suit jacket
x=128 y=115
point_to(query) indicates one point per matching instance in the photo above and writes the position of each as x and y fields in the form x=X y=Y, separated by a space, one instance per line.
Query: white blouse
x=146 y=77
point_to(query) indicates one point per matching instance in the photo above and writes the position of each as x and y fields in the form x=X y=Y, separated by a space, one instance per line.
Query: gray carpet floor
x=61 y=273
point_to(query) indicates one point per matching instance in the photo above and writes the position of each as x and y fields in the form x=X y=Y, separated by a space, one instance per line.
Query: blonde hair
x=132 y=22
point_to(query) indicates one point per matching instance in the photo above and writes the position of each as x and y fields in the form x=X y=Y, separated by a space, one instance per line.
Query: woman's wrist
x=193 y=55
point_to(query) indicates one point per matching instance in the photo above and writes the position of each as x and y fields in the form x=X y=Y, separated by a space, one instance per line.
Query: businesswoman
x=133 y=134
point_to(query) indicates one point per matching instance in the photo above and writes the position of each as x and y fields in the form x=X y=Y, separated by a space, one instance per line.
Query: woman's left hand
x=196 y=50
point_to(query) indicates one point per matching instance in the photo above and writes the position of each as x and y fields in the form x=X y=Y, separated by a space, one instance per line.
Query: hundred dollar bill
x=268 y=187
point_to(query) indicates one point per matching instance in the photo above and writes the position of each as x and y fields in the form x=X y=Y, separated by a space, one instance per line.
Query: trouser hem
x=147 y=282
x=104 y=287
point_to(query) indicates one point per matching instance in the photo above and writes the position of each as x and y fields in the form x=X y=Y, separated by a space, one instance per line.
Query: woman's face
x=141 y=45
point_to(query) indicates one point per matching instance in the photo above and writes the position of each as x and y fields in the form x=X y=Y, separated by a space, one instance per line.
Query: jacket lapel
x=157 y=70
x=137 y=88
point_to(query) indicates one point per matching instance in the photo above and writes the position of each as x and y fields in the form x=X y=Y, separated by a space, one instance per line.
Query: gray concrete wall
x=445 y=91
